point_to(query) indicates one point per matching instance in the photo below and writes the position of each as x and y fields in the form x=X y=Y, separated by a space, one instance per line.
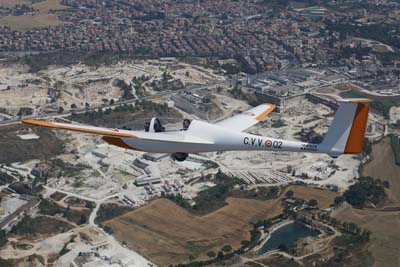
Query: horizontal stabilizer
x=248 y=118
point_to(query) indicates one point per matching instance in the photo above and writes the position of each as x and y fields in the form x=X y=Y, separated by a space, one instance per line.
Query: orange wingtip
x=39 y=123
x=263 y=115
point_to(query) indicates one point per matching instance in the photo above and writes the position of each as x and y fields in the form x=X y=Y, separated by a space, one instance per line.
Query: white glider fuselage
x=344 y=136
x=205 y=137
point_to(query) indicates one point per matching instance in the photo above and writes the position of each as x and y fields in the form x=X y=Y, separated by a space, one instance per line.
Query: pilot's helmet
x=186 y=124
x=147 y=126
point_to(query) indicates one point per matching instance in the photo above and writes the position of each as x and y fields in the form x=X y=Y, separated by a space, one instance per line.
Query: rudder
x=355 y=140
x=346 y=134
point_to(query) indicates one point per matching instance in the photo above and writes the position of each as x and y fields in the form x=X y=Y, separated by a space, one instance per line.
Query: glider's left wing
x=248 y=118
x=82 y=128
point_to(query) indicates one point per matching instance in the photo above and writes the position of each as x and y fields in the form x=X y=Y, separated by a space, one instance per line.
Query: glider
x=344 y=136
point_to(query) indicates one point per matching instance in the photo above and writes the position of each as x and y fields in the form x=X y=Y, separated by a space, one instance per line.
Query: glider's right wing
x=82 y=128
x=248 y=118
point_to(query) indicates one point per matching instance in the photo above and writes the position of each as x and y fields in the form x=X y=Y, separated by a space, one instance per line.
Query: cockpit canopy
x=154 y=126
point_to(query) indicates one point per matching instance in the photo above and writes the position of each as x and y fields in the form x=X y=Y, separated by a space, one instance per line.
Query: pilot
x=185 y=124
x=147 y=126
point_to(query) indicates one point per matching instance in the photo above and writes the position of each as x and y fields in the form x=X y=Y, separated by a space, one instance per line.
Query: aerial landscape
x=203 y=133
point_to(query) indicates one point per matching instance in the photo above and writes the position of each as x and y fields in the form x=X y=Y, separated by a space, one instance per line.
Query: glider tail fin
x=346 y=134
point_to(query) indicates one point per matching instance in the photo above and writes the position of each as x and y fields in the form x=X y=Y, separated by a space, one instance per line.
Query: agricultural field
x=39 y=18
x=11 y=3
x=168 y=234
x=28 y=22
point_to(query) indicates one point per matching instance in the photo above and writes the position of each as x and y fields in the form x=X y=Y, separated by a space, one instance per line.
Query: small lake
x=287 y=235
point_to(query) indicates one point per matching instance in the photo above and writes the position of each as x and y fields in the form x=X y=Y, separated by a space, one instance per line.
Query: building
x=140 y=164
x=154 y=156
x=40 y=170
x=14 y=218
x=147 y=181
x=193 y=103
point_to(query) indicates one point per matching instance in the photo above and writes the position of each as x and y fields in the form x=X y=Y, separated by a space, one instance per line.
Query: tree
x=112 y=102
x=283 y=247
x=89 y=204
x=338 y=200
x=191 y=257
x=108 y=229
x=386 y=184
x=226 y=248
x=313 y=203
x=211 y=254
x=3 y=238
x=83 y=219
x=289 y=194
x=73 y=106
x=289 y=168
x=366 y=190
x=60 y=110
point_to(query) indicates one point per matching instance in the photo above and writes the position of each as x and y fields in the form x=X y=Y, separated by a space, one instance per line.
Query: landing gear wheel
x=179 y=156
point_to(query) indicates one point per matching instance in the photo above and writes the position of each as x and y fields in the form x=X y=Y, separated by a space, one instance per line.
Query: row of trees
x=347 y=227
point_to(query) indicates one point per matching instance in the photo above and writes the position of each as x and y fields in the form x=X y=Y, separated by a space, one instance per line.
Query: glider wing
x=82 y=128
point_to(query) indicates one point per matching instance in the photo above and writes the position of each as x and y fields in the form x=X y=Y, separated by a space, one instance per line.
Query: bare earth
x=168 y=234
x=384 y=225
x=382 y=166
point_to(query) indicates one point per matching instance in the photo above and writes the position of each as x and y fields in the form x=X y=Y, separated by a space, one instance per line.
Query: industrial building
x=196 y=104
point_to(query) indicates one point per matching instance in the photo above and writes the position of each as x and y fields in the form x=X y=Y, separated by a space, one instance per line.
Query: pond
x=288 y=235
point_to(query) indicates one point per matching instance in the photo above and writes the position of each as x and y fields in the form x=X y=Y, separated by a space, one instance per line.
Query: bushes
x=29 y=226
x=109 y=211
x=49 y=208
x=3 y=238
